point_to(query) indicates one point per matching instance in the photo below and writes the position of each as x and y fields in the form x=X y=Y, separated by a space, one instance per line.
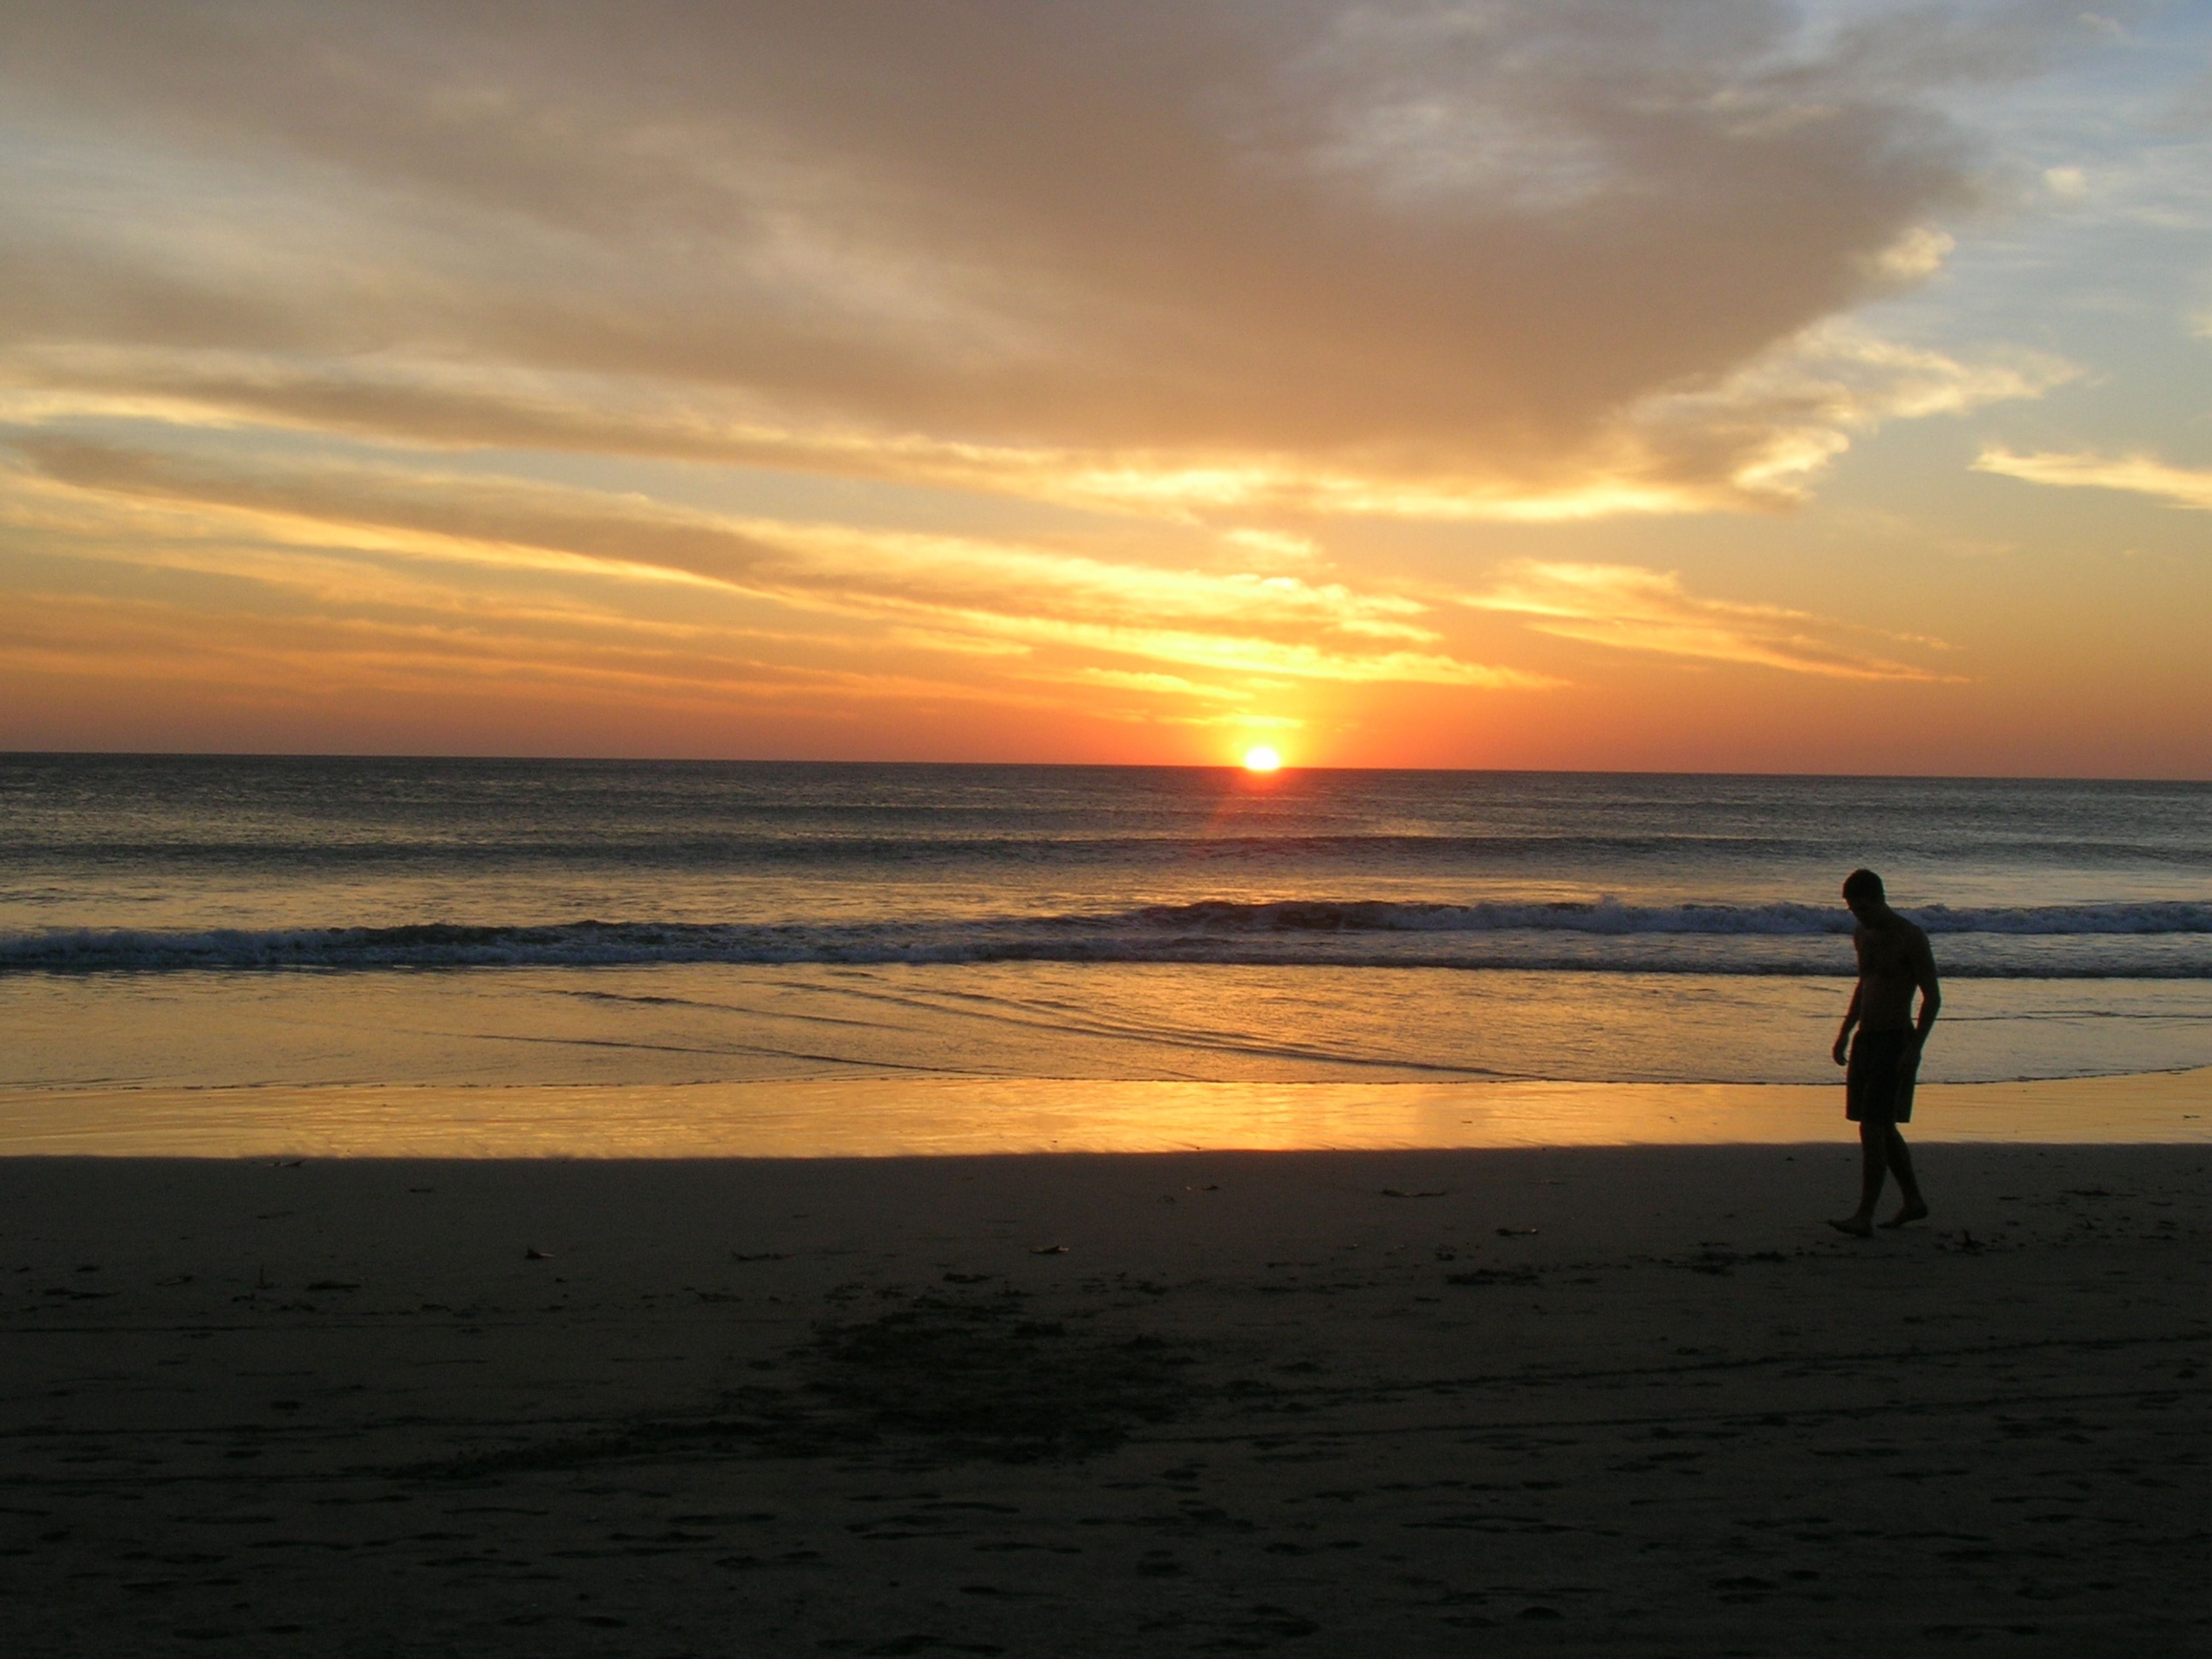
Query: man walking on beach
x=1893 y=959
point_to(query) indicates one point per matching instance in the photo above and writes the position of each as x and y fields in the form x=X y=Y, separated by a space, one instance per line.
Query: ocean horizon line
x=1288 y=768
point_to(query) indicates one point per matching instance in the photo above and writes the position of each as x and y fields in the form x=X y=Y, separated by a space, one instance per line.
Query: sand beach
x=1620 y=1399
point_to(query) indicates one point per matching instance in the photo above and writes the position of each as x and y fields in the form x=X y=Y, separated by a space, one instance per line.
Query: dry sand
x=1636 y=1401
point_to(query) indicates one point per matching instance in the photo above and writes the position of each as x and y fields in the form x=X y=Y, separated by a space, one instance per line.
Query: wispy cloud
x=1633 y=609
x=315 y=655
x=2178 y=486
x=1753 y=437
x=964 y=596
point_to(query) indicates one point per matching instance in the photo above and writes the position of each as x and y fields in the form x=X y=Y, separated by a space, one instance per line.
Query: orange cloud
x=963 y=594
x=1632 y=609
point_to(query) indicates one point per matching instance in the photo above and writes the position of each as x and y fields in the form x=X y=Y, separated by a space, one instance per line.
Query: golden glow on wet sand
x=880 y=1117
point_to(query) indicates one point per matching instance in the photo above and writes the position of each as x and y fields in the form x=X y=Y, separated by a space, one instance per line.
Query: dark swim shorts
x=1874 y=1091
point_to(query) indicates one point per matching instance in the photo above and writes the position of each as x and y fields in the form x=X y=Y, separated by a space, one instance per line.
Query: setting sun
x=1262 y=759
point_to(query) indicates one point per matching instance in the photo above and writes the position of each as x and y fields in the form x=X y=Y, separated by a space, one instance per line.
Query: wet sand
x=1629 y=1400
x=876 y=1116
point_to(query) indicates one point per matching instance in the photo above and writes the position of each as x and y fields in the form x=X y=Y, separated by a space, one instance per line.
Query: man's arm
x=1932 y=991
x=1843 y=1048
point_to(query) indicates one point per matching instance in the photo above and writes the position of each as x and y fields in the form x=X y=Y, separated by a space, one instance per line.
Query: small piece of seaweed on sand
x=984 y=1382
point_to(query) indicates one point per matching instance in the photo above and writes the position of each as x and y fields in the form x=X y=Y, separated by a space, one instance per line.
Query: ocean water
x=217 y=923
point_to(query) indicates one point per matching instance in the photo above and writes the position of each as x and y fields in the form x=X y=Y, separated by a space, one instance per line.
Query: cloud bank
x=1448 y=260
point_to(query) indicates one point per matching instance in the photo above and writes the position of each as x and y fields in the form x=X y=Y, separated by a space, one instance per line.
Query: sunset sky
x=1682 y=385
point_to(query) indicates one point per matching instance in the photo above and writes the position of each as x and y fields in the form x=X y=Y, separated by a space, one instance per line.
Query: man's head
x=1862 y=892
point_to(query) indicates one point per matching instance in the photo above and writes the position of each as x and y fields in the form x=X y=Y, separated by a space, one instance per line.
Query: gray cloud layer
x=1461 y=245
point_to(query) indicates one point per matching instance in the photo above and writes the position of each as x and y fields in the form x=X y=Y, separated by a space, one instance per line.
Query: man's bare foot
x=1856 y=1225
x=1910 y=1212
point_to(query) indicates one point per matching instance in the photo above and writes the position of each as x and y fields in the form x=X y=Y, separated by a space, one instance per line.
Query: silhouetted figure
x=1885 y=1058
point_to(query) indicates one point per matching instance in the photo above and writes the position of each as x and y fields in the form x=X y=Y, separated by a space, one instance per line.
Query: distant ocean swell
x=2160 y=941
x=384 y=849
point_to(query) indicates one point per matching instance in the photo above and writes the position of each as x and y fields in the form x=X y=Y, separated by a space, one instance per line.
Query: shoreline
x=893 y=1117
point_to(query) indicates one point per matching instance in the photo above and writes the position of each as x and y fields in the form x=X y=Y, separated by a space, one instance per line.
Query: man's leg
x=1899 y=1159
x=1874 y=1164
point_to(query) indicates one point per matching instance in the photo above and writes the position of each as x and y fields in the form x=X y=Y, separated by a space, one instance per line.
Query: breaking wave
x=1606 y=916
x=2139 y=940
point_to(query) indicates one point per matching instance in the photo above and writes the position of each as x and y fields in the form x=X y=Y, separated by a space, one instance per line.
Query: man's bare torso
x=1892 y=959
